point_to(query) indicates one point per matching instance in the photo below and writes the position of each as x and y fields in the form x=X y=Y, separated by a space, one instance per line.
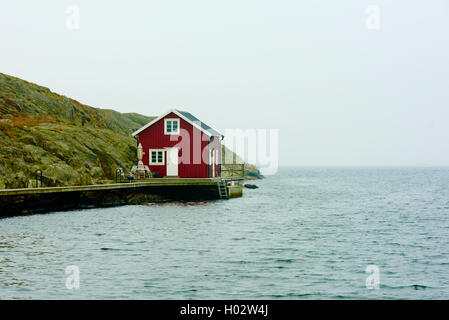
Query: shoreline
x=16 y=202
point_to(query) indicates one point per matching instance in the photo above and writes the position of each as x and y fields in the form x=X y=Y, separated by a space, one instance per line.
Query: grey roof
x=203 y=126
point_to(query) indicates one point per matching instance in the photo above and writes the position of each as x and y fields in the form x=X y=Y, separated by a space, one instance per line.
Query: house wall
x=191 y=162
x=214 y=146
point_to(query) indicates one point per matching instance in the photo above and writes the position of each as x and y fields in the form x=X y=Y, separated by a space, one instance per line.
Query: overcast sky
x=339 y=93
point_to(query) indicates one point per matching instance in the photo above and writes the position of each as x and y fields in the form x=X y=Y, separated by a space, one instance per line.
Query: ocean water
x=306 y=233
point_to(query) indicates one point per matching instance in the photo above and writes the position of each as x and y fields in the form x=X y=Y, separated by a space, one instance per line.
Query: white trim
x=173 y=132
x=213 y=163
x=167 y=113
x=157 y=163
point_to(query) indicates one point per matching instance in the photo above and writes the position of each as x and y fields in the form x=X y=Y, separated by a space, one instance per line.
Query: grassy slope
x=72 y=143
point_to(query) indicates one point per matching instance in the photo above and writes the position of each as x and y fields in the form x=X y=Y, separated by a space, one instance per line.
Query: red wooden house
x=177 y=144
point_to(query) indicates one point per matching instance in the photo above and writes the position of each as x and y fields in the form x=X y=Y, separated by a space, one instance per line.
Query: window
x=156 y=157
x=171 y=126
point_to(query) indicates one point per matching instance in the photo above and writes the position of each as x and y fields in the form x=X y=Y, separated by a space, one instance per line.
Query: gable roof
x=187 y=116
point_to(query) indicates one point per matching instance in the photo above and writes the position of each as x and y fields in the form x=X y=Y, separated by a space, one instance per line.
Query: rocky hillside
x=70 y=142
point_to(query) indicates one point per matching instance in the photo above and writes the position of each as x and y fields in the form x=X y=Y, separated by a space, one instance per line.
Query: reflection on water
x=304 y=234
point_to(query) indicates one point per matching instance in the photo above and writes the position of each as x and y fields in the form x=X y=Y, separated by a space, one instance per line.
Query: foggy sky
x=339 y=93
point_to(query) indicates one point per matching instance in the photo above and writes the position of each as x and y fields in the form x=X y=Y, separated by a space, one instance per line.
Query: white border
x=157 y=163
x=165 y=126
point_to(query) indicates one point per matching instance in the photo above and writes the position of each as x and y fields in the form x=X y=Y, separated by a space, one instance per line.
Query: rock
x=28 y=139
x=250 y=186
x=62 y=172
x=96 y=172
x=255 y=174
x=32 y=183
x=141 y=198
x=7 y=122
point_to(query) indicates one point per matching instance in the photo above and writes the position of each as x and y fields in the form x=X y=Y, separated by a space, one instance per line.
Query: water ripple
x=305 y=234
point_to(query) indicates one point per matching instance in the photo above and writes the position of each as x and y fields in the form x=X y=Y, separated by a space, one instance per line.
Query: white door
x=172 y=162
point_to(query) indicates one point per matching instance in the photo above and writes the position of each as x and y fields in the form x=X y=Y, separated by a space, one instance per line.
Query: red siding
x=154 y=138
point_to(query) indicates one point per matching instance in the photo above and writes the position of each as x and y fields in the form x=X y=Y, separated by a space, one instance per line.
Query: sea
x=305 y=233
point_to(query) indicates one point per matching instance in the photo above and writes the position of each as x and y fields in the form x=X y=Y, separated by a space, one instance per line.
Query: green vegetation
x=72 y=143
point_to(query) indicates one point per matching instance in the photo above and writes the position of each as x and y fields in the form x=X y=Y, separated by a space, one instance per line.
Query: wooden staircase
x=222 y=189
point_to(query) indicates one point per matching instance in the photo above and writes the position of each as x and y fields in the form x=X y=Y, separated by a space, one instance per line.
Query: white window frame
x=165 y=126
x=157 y=163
